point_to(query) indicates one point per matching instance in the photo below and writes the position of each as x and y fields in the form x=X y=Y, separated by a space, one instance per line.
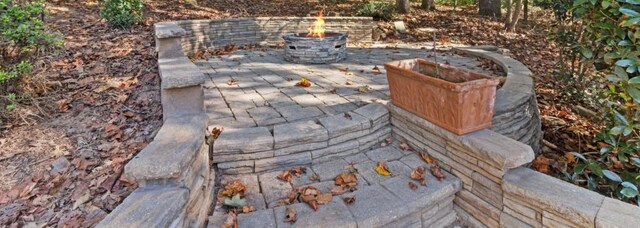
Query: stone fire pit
x=301 y=48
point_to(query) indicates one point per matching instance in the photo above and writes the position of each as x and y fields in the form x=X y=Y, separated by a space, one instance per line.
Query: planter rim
x=484 y=81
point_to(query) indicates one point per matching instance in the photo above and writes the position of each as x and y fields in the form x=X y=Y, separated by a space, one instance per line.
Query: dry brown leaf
x=413 y=186
x=285 y=176
x=382 y=169
x=436 y=171
x=570 y=157
x=419 y=174
x=215 y=132
x=231 y=221
x=325 y=198
x=348 y=116
x=349 y=200
x=248 y=209
x=426 y=157
x=303 y=82
x=389 y=140
x=404 y=146
x=309 y=195
x=63 y=105
x=314 y=177
x=290 y=215
x=232 y=188
x=363 y=89
x=346 y=179
x=232 y=82
x=349 y=82
x=541 y=163
x=339 y=189
x=297 y=171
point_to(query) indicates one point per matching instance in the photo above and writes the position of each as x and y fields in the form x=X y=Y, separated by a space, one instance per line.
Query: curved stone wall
x=516 y=109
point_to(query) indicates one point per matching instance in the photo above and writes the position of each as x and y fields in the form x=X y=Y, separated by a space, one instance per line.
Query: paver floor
x=258 y=87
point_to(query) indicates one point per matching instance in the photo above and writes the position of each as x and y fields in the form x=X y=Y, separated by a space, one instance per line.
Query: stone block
x=372 y=111
x=508 y=221
x=333 y=214
x=384 y=154
x=423 y=197
x=352 y=136
x=552 y=220
x=183 y=101
x=179 y=72
x=269 y=122
x=337 y=125
x=171 y=152
x=334 y=149
x=535 y=222
x=329 y=170
x=476 y=213
x=237 y=167
x=357 y=158
x=520 y=207
x=413 y=160
x=572 y=202
x=257 y=219
x=291 y=134
x=376 y=207
x=301 y=148
x=339 y=155
x=250 y=180
x=615 y=213
x=487 y=209
x=300 y=113
x=283 y=161
x=273 y=189
x=263 y=113
x=220 y=158
x=243 y=140
x=143 y=209
x=494 y=197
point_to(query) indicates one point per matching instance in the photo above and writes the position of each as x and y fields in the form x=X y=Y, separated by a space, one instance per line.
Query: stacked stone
x=174 y=167
x=249 y=150
x=329 y=49
x=479 y=159
x=516 y=109
x=203 y=34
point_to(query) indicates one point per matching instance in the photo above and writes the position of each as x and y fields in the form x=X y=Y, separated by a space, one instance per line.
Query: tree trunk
x=507 y=19
x=403 y=6
x=428 y=5
x=511 y=27
x=489 y=8
x=526 y=10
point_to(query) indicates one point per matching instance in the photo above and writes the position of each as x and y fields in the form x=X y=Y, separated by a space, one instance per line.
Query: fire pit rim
x=327 y=36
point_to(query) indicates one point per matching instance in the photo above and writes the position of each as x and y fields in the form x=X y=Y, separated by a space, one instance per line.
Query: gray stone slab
x=333 y=214
x=339 y=124
x=273 y=189
x=329 y=170
x=372 y=111
x=574 y=203
x=257 y=219
x=268 y=122
x=179 y=72
x=292 y=134
x=357 y=158
x=142 y=208
x=250 y=180
x=424 y=196
x=263 y=113
x=615 y=213
x=237 y=167
x=301 y=148
x=244 y=140
x=387 y=153
x=306 y=100
x=293 y=113
x=237 y=156
x=376 y=207
x=282 y=162
x=334 y=149
x=413 y=160
x=352 y=136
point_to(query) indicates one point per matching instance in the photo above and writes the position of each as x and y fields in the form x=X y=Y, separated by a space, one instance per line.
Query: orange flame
x=318 y=27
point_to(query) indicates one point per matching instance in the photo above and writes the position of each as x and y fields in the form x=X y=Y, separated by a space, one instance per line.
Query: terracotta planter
x=460 y=101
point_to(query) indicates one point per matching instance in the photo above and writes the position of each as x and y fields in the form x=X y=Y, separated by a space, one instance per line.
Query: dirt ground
x=97 y=103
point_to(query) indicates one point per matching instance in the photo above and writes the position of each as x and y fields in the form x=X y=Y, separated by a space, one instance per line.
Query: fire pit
x=315 y=46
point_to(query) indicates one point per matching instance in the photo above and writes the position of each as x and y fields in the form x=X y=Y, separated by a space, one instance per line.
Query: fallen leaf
x=232 y=82
x=348 y=116
x=285 y=176
x=303 y=82
x=297 y=171
x=339 y=189
x=570 y=157
x=376 y=70
x=349 y=200
x=346 y=179
x=325 y=198
x=541 y=163
x=248 y=209
x=215 y=132
x=413 y=186
x=291 y=197
x=231 y=221
x=389 y=140
x=232 y=188
x=348 y=73
x=436 y=171
x=426 y=157
x=63 y=105
x=404 y=146
x=344 y=69
x=419 y=174
x=382 y=169
x=314 y=177
x=290 y=215
x=349 y=82
x=309 y=195
x=363 y=89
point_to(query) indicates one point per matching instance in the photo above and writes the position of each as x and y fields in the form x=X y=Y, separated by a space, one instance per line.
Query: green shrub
x=22 y=29
x=611 y=44
x=122 y=13
x=376 y=9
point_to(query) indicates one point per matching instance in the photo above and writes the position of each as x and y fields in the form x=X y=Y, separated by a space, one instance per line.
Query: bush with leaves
x=376 y=9
x=611 y=42
x=122 y=13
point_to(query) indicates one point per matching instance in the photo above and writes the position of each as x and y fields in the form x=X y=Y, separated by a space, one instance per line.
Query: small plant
x=376 y=9
x=122 y=13
x=22 y=29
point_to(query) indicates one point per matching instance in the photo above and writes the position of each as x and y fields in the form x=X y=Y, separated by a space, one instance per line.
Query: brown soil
x=99 y=103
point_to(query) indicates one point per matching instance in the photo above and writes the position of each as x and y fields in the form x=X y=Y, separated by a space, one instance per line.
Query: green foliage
x=22 y=28
x=376 y=9
x=122 y=13
x=561 y=8
x=611 y=42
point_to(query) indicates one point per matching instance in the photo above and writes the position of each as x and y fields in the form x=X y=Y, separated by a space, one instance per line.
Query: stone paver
x=329 y=170
x=333 y=214
x=244 y=140
x=385 y=154
x=273 y=189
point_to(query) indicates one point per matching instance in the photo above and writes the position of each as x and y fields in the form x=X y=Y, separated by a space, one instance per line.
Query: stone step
x=259 y=149
x=380 y=201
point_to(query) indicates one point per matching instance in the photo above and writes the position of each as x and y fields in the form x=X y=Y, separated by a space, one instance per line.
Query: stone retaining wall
x=497 y=191
x=256 y=149
x=516 y=113
x=173 y=175
x=202 y=34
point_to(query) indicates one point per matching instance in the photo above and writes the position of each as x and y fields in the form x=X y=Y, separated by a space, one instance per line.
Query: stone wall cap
x=496 y=149
x=615 y=213
x=171 y=151
x=551 y=194
x=168 y=30
x=179 y=73
x=153 y=207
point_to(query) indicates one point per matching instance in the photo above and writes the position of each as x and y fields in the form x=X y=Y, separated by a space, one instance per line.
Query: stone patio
x=265 y=93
